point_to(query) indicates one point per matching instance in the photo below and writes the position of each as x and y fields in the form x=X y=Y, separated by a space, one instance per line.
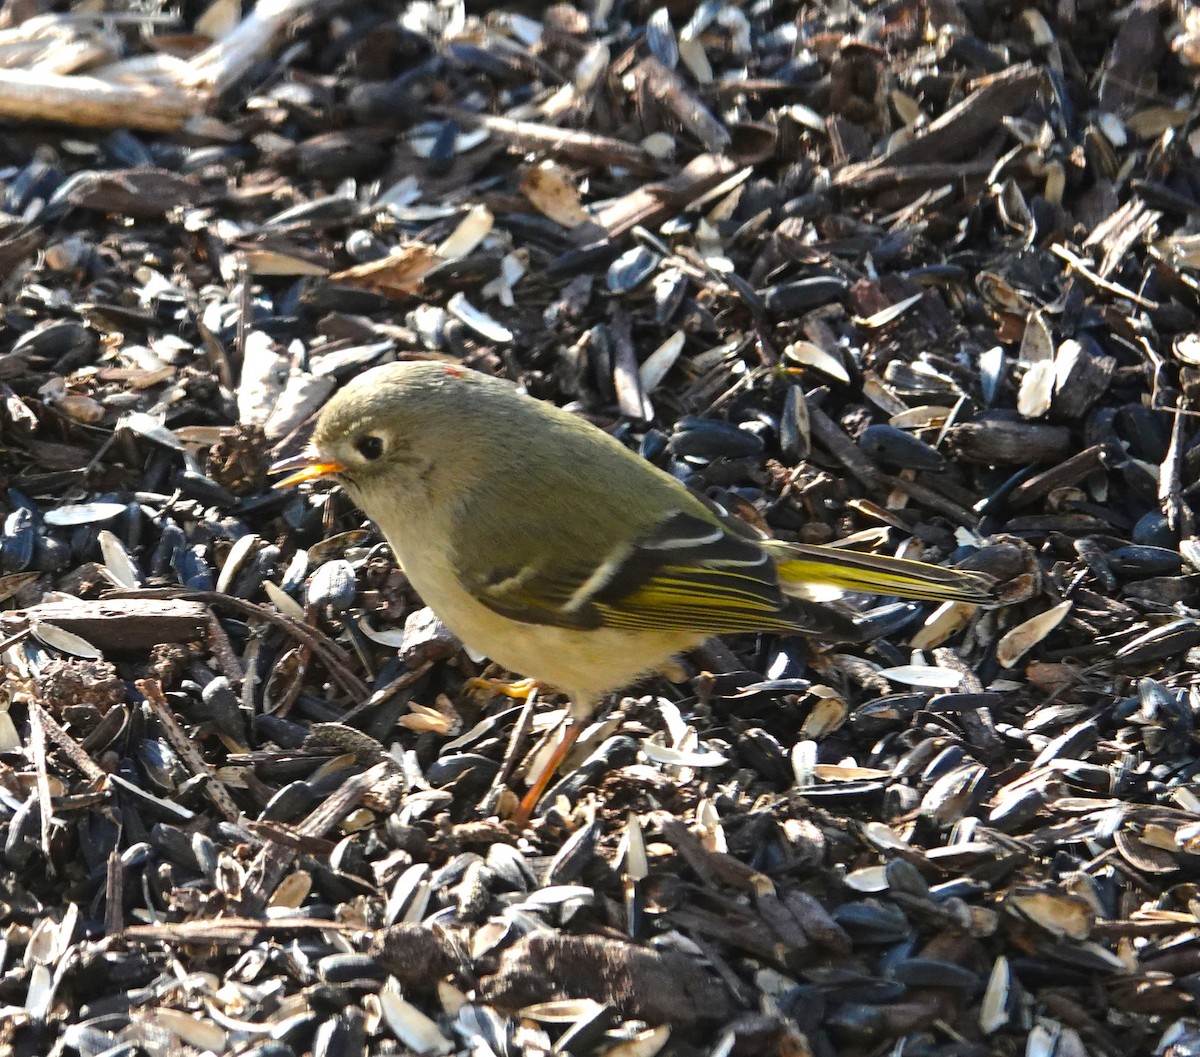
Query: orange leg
x=531 y=798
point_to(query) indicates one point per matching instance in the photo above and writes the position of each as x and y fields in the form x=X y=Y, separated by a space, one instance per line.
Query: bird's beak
x=305 y=467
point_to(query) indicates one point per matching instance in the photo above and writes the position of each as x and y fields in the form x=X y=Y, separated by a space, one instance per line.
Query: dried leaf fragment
x=553 y=193
x=398 y=275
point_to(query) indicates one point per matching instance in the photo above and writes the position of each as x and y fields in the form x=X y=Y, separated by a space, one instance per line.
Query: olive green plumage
x=547 y=545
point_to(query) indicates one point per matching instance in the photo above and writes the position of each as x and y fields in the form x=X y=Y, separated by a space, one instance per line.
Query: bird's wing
x=687 y=573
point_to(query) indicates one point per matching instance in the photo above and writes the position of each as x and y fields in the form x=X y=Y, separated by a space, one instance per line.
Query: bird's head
x=386 y=430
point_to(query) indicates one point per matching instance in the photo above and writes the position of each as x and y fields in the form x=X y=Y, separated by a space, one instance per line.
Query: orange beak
x=301 y=468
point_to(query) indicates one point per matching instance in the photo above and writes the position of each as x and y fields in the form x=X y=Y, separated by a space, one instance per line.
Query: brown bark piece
x=658 y=986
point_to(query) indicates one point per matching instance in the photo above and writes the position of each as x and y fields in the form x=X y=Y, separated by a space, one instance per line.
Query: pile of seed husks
x=920 y=277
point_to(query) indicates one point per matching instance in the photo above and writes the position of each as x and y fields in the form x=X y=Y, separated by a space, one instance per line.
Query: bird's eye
x=369 y=446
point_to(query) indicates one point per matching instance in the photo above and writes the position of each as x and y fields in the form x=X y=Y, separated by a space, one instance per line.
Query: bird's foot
x=517 y=689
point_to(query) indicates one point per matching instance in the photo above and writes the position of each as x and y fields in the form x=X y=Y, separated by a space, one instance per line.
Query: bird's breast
x=585 y=663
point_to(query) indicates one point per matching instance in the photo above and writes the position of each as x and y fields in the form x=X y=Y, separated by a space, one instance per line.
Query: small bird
x=546 y=545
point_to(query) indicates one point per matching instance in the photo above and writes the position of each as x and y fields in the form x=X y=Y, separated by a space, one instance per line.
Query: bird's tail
x=810 y=571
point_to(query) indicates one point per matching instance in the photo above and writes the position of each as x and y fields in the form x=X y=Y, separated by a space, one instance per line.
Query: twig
x=1068 y=472
x=182 y=744
x=1170 y=482
x=626 y=380
x=511 y=752
x=843 y=449
x=89 y=101
x=74 y=751
x=931 y=499
x=273 y=859
x=332 y=656
x=219 y=66
x=114 y=895
x=222 y=650
x=957 y=133
x=1085 y=269
x=667 y=88
x=232 y=931
x=647 y=204
x=37 y=748
x=384 y=693
x=585 y=148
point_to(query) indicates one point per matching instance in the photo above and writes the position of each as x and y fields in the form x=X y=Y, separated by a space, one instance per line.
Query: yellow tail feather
x=802 y=567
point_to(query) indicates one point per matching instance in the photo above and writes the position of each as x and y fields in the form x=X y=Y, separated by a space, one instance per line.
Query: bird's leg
x=577 y=718
x=530 y=800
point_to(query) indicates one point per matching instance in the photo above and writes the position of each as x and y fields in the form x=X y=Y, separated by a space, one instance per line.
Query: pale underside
x=583 y=663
